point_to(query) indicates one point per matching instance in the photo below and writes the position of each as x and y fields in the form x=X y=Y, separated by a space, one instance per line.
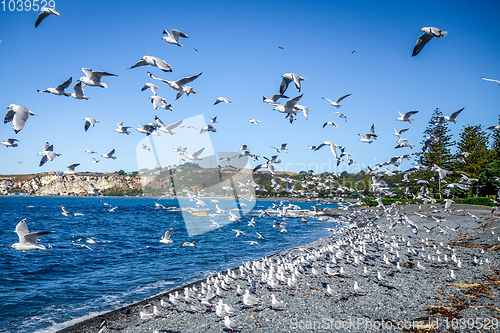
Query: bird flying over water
x=166 y=237
x=27 y=240
x=47 y=154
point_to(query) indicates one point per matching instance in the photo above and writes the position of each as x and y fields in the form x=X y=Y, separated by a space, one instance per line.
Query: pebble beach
x=415 y=269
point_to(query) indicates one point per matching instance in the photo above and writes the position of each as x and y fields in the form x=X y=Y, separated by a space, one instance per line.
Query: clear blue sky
x=239 y=55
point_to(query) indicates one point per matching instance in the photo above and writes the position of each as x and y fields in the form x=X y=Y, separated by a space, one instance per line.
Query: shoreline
x=175 y=319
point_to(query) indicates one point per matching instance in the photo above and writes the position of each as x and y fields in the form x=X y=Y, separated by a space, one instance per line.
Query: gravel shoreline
x=416 y=293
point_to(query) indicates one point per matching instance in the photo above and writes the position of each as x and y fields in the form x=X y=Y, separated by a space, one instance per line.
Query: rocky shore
x=418 y=270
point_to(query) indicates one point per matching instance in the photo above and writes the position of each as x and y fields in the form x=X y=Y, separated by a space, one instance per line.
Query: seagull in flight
x=18 y=115
x=109 y=155
x=153 y=61
x=44 y=12
x=90 y=122
x=332 y=145
x=47 y=154
x=453 y=116
x=429 y=33
x=336 y=103
x=497 y=81
x=406 y=116
x=177 y=85
x=79 y=91
x=273 y=100
x=59 y=90
x=122 y=129
x=341 y=115
x=289 y=106
x=332 y=123
x=10 y=143
x=194 y=156
x=150 y=86
x=166 y=237
x=93 y=78
x=289 y=77
x=27 y=240
x=173 y=38
x=222 y=100
x=167 y=129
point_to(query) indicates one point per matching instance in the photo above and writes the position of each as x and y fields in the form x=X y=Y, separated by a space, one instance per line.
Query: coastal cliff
x=51 y=184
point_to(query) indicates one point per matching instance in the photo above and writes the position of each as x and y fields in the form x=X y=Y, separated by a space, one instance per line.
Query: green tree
x=474 y=140
x=439 y=152
x=495 y=146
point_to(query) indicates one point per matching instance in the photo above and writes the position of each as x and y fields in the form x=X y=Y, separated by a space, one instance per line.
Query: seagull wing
x=174 y=125
x=196 y=154
x=19 y=119
x=22 y=230
x=162 y=64
x=87 y=125
x=291 y=102
x=490 y=80
x=341 y=98
x=297 y=79
x=178 y=33
x=157 y=78
x=97 y=75
x=284 y=83
x=141 y=62
x=329 y=100
x=455 y=114
x=43 y=14
x=422 y=40
x=168 y=233
x=64 y=85
x=186 y=80
x=87 y=71
x=79 y=89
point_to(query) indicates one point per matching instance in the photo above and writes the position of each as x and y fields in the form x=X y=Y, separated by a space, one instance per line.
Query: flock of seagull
x=364 y=255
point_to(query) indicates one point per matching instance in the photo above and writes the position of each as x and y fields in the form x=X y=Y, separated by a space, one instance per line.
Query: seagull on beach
x=153 y=61
x=27 y=240
x=166 y=237
x=289 y=77
x=18 y=115
x=45 y=12
x=93 y=78
x=336 y=103
x=429 y=33
x=47 y=153
x=59 y=90
x=173 y=38
x=79 y=91
x=89 y=122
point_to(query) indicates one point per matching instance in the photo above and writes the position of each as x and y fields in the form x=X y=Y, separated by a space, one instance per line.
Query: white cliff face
x=45 y=184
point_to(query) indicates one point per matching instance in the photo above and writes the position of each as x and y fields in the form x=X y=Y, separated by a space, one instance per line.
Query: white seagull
x=167 y=129
x=406 y=116
x=332 y=123
x=89 y=122
x=289 y=77
x=109 y=155
x=497 y=81
x=429 y=33
x=47 y=153
x=93 y=78
x=18 y=115
x=44 y=12
x=194 y=156
x=336 y=103
x=273 y=100
x=122 y=129
x=150 y=86
x=173 y=38
x=221 y=100
x=27 y=240
x=153 y=61
x=166 y=237
x=79 y=91
x=177 y=85
x=254 y=121
x=453 y=116
x=289 y=106
x=59 y=90
x=70 y=169
x=10 y=143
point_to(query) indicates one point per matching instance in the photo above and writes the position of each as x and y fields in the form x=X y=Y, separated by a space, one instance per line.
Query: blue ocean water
x=48 y=290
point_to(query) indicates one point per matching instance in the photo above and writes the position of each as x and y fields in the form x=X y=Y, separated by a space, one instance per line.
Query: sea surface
x=51 y=289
